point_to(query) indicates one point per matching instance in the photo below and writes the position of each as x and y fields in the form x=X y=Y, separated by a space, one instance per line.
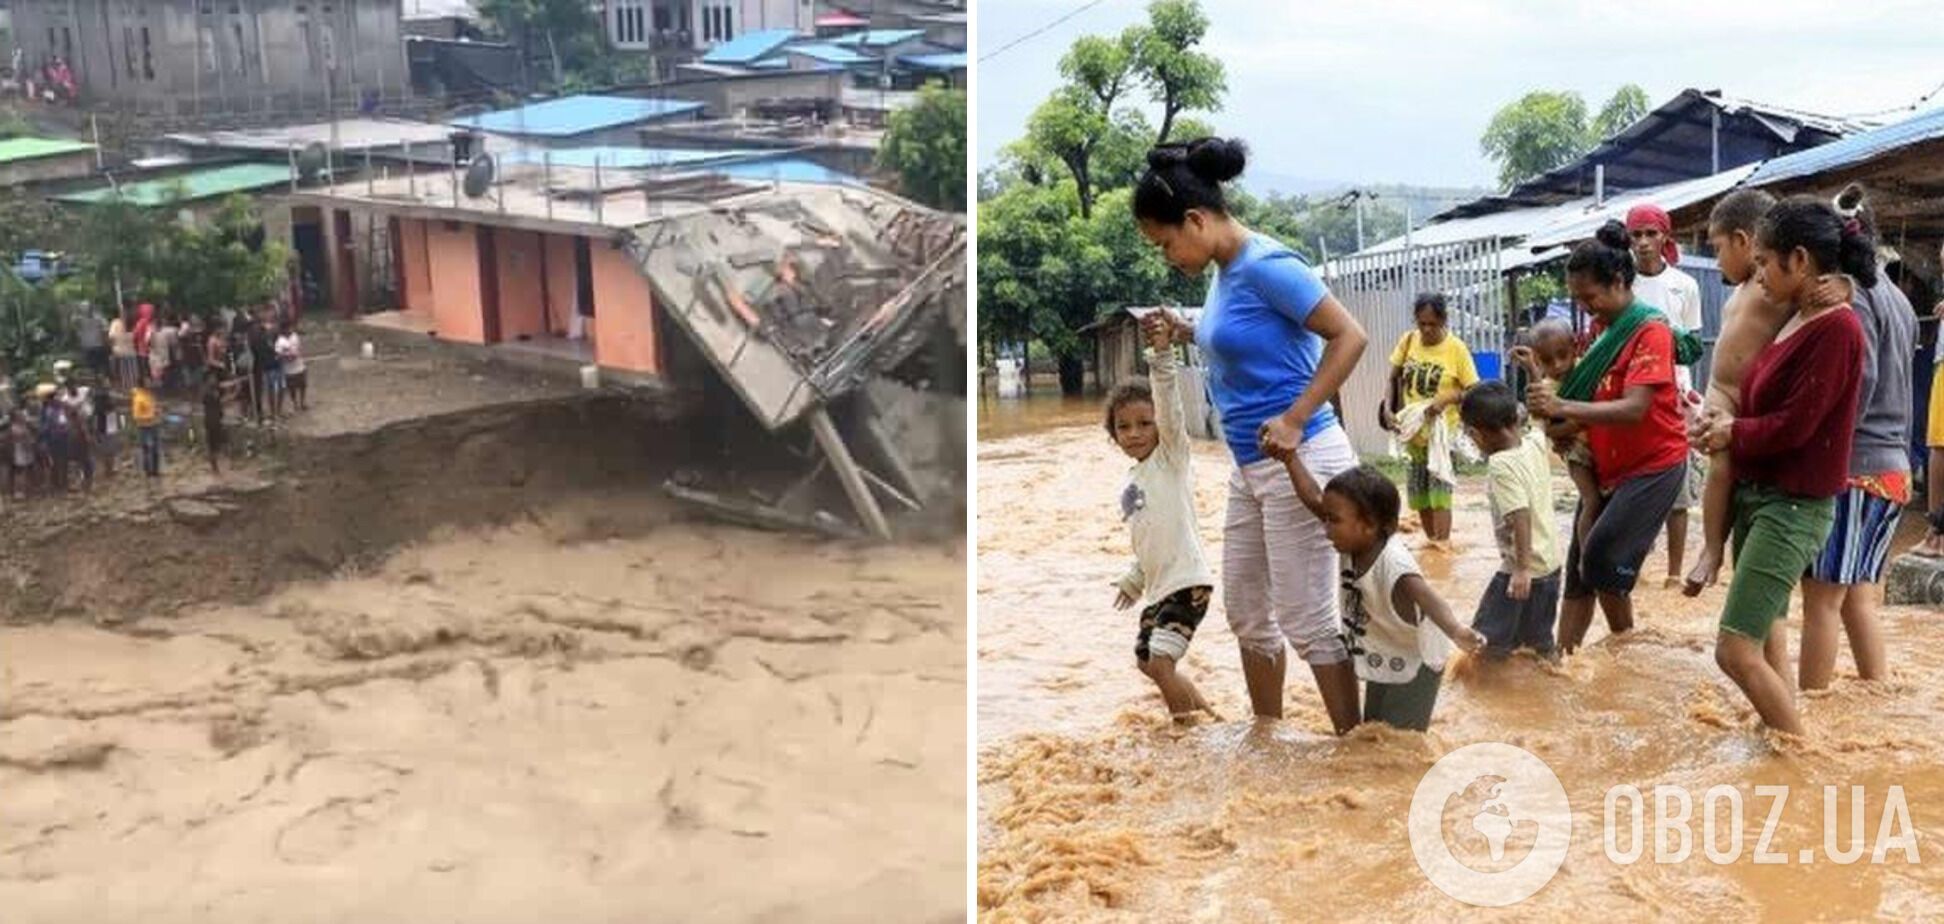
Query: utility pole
x=1359 y=196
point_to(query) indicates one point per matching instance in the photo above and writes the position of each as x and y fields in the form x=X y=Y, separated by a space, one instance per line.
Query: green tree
x=925 y=146
x=566 y=33
x=1177 y=76
x=1072 y=125
x=1628 y=105
x=1543 y=130
x=1547 y=129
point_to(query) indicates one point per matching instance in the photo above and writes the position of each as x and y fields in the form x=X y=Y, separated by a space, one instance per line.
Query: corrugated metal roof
x=946 y=61
x=829 y=54
x=1567 y=222
x=15 y=149
x=1854 y=149
x=200 y=184
x=786 y=170
x=574 y=115
x=1674 y=142
x=878 y=38
x=620 y=158
x=748 y=47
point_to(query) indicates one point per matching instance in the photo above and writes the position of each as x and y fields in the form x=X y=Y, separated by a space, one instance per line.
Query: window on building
x=206 y=40
x=242 y=50
x=128 y=50
x=728 y=23
x=67 y=44
x=148 y=56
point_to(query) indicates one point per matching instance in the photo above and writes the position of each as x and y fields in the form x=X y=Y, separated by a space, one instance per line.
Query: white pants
x=1279 y=571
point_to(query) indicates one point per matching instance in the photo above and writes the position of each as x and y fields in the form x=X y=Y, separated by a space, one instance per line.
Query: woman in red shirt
x=1790 y=445
x=1622 y=394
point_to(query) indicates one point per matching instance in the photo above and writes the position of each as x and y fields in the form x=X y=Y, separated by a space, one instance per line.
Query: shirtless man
x=1749 y=323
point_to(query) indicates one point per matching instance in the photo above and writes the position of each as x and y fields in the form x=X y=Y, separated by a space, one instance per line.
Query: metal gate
x=1379 y=288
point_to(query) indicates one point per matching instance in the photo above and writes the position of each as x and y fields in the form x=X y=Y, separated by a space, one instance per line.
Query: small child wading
x=1398 y=631
x=1158 y=506
x=1522 y=601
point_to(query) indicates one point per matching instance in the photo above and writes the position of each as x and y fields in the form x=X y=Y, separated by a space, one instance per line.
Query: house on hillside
x=191 y=56
x=667 y=275
x=42 y=160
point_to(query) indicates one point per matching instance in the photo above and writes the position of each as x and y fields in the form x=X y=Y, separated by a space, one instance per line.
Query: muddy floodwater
x=544 y=721
x=1093 y=807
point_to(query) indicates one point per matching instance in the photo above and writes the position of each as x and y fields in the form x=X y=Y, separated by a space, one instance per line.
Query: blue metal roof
x=786 y=170
x=748 y=47
x=1853 y=149
x=622 y=158
x=574 y=115
x=878 y=38
x=830 y=54
x=946 y=61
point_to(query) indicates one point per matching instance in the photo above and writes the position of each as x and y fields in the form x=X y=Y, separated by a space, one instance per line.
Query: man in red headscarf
x=1660 y=283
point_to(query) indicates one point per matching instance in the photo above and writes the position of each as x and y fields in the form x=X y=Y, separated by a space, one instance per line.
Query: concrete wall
x=522 y=312
x=418 y=267
x=624 y=316
x=723 y=97
x=454 y=257
x=262 y=55
x=45 y=169
x=560 y=283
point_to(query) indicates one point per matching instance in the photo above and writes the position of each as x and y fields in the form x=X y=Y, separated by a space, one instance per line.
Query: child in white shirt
x=1158 y=506
x=1399 y=632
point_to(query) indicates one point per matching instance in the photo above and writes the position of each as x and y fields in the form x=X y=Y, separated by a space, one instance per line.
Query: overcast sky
x=1399 y=91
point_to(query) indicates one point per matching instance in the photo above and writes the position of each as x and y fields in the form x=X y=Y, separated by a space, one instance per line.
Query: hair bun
x=1850 y=201
x=1217 y=160
x=1161 y=157
x=1613 y=234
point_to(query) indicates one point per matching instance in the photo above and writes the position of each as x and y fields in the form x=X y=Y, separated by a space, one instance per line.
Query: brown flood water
x=1092 y=807
x=539 y=723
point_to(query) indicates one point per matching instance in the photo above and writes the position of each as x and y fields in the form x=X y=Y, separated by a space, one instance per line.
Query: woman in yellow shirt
x=1432 y=365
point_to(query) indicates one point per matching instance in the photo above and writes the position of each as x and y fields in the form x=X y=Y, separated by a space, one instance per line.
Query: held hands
x=1542 y=398
x=1166 y=324
x=1279 y=439
x=1712 y=431
x=1158 y=332
x=1122 y=600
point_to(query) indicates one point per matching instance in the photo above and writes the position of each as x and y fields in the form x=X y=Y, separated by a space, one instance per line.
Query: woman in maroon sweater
x=1791 y=444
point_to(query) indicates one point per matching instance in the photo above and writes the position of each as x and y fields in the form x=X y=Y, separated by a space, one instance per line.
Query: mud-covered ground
x=1092 y=806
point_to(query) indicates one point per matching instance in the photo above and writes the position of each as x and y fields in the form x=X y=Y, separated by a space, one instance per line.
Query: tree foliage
x=1178 y=78
x=564 y=33
x=1546 y=129
x=925 y=146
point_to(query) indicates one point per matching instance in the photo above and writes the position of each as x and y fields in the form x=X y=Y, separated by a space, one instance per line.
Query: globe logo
x=1490 y=824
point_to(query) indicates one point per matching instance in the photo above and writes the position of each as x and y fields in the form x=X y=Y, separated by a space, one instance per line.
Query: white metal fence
x=1379 y=289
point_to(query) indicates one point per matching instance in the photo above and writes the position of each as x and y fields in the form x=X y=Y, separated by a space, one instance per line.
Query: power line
x=1039 y=31
x=1921 y=100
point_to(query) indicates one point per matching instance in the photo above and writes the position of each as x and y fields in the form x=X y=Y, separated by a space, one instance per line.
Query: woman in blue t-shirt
x=1278 y=347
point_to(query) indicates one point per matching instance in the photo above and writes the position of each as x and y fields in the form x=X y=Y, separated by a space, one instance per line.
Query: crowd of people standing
x=131 y=366
x=1796 y=454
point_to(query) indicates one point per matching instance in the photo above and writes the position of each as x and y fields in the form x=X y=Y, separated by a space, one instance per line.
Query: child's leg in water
x=1182 y=698
x=1717 y=507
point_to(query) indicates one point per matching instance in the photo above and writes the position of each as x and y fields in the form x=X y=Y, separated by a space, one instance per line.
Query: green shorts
x=1777 y=536
x=1423 y=491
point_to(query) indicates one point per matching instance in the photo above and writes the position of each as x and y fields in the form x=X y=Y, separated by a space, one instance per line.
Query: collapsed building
x=806 y=297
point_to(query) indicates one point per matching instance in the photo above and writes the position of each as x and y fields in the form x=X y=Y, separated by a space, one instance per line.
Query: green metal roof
x=199 y=184
x=14 y=149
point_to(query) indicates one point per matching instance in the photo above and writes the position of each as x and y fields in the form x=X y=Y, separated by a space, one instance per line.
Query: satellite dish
x=311 y=161
x=479 y=176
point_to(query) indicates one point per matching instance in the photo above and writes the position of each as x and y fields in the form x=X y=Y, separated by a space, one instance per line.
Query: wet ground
x=1092 y=806
x=541 y=722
